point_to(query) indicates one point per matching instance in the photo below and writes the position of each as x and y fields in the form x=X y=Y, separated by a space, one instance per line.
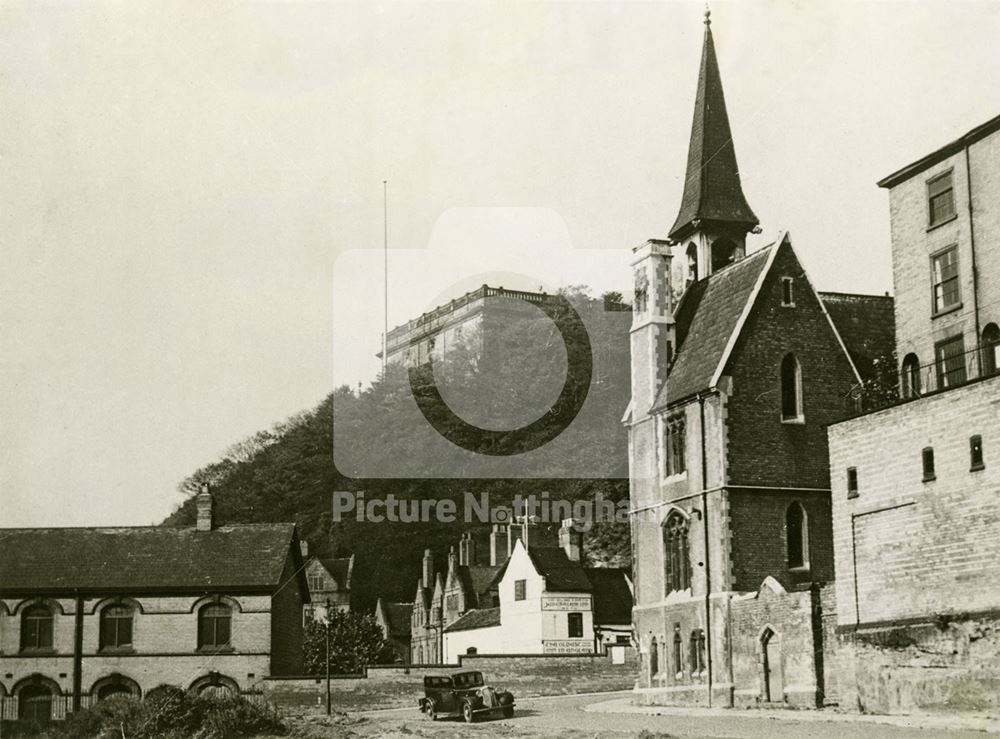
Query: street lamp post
x=328 y=612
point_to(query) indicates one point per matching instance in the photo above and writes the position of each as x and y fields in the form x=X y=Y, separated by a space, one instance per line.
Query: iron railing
x=911 y=381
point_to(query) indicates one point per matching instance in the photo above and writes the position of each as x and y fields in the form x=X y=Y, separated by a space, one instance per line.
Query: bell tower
x=714 y=219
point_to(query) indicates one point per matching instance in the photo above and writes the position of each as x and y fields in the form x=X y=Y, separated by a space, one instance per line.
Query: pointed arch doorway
x=770 y=657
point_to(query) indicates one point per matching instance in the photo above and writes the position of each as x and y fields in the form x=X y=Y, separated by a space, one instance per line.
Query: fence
x=42 y=708
x=950 y=369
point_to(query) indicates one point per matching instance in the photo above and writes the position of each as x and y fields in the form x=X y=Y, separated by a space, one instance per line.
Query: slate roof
x=476 y=619
x=706 y=317
x=398 y=616
x=939 y=155
x=866 y=324
x=477 y=579
x=560 y=572
x=135 y=559
x=712 y=189
x=612 y=595
x=339 y=569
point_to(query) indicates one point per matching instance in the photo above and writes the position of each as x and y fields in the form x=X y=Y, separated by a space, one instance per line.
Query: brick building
x=738 y=365
x=916 y=493
x=89 y=612
x=329 y=579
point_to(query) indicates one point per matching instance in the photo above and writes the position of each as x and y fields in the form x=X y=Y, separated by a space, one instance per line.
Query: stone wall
x=936 y=667
x=398 y=687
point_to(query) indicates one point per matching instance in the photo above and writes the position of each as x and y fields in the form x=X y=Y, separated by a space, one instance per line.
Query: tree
x=356 y=640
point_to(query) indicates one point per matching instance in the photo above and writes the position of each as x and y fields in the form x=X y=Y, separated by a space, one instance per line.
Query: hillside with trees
x=288 y=473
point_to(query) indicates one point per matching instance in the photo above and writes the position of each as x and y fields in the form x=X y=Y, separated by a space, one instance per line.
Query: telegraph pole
x=328 y=612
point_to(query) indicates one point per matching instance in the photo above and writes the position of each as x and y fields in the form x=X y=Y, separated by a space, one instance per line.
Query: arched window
x=677 y=566
x=910 y=376
x=723 y=254
x=991 y=349
x=791 y=389
x=692 y=264
x=214 y=626
x=696 y=652
x=34 y=703
x=797 y=536
x=678 y=656
x=116 y=626
x=115 y=684
x=654 y=661
x=36 y=627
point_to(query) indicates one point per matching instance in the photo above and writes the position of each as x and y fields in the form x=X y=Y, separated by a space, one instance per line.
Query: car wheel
x=467 y=713
x=508 y=711
x=430 y=711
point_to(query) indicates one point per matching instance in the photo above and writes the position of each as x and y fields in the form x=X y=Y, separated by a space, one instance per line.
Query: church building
x=738 y=365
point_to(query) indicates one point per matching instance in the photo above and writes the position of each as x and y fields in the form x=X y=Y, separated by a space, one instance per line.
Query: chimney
x=571 y=540
x=204 y=503
x=498 y=545
x=304 y=548
x=467 y=550
x=452 y=560
x=428 y=573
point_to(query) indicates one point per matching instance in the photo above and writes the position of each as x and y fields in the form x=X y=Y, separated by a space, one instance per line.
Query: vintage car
x=464 y=694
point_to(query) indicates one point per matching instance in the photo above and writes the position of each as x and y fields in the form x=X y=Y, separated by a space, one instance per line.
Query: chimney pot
x=304 y=547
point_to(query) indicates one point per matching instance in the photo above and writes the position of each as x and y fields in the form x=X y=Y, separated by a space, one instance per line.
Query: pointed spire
x=712 y=190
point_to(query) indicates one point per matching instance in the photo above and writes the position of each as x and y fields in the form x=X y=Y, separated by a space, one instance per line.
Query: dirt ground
x=566 y=717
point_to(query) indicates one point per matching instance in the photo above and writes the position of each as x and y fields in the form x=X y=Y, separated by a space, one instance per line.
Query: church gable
x=790 y=377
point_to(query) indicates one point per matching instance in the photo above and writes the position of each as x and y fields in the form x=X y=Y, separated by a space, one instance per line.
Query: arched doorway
x=34 y=703
x=770 y=647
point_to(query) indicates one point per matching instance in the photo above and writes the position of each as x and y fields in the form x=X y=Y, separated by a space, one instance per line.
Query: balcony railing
x=910 y=381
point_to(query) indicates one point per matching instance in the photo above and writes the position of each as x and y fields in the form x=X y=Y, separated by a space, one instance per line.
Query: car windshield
x=468 y=680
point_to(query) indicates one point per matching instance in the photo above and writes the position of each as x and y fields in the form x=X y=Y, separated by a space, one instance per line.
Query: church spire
x=713 y=197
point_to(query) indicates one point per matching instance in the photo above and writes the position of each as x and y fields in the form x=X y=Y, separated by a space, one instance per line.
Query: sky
x=192 y=220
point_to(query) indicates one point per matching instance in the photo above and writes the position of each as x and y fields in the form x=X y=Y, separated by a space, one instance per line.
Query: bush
x=166 y=713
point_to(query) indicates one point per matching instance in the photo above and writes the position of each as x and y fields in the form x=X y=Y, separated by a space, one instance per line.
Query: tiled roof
x=398 y=616
x=560 y=572
x=612 y=595
x=712 y=189
x=480 y=619
x=866 y=325
x=706 y=317
x=245 y=557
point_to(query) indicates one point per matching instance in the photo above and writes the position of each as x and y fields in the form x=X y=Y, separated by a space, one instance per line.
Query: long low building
x=89 y=612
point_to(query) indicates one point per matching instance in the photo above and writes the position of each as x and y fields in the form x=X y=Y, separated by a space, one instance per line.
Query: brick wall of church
x=761 y=449
x=759 y=541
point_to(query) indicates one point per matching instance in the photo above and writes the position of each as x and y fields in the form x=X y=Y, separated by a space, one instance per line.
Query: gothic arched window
x=677 y=565
x=791 y=389
x=910 y=376
x=991 y=349
x=797 y=535
x=696 y=652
